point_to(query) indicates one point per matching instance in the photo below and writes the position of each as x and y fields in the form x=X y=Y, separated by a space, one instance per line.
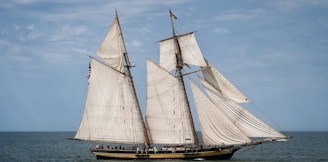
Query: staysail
x=222 y=84
x=167 y=114
x=248 y=123
x=216 y=127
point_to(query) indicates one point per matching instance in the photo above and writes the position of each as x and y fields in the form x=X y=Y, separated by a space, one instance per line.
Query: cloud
x=240 y=14
x=221 y=30
x=66 y=32
x=292 y=4
x=58 y=28
x=136 y=43
x=74 y=10
x=25 y=1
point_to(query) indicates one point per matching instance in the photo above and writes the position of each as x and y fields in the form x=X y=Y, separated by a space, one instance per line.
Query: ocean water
x=57 y=146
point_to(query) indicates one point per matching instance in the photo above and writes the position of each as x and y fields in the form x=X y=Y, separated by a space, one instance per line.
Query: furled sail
x=167 y=116
x=111 y=113
x=112 y=48
x=222 y=84
x=190 y=51
x=246 y=121
x=216 y=127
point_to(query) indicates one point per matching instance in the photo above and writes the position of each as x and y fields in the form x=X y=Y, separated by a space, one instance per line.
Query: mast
x=179 y=67
x=128 y=71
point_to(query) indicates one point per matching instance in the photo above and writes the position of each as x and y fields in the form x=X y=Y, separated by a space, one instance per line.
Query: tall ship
x=112 y=113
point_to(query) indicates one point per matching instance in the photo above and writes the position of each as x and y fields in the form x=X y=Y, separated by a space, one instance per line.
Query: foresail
x=246 y=121
x=216 y=128
x=190 y=51
x=167 y=114
x=111 y=113
x=112 y=48
x=222 y=84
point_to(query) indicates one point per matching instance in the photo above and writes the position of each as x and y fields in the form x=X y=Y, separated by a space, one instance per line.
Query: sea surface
x=58 y=146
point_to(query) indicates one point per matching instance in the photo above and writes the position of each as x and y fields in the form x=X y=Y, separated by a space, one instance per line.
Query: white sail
x=216 y=127
x=190 y=51
x=246 y=121
x=112 y=48
x=111 y=112
x=222 y=84
x=167 y=116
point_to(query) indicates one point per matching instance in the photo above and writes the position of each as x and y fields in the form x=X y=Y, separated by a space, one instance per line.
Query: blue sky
x=275 y=51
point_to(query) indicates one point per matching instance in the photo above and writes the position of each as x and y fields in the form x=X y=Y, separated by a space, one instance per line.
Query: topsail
x=190 y=51
x=112 y=48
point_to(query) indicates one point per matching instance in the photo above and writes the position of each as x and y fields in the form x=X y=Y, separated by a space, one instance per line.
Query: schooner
x=112 y=111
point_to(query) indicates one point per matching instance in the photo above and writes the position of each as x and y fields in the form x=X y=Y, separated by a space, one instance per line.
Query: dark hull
x=208 y=154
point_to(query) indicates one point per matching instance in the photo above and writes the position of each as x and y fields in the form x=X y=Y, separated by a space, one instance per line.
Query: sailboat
x=112 y=112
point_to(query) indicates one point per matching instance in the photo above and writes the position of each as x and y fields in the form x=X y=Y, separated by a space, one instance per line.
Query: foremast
x=129 y=74
x=112 y=112
x=179 y=75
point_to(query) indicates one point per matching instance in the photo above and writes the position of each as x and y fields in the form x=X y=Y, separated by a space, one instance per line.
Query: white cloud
x=25 y=32
x=65 y=32
x=22 y=58
x=56 y=56
x=25 y=1
x=15 y=53
x=241 y=14
x=295 y=4
x=16 y=27
x=221 y=30
x=30 y=27
x=72 y=30
x=3 y=42
x=136 y=43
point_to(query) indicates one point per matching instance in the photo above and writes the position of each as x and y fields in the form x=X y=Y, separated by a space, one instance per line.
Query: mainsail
x=112 y=112
x=167 y=114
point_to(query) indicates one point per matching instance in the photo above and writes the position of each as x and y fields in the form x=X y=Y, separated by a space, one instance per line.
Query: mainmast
x=128 y=71
x=179 y=67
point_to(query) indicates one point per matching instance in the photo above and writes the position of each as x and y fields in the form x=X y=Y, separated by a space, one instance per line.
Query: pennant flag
x=173 y=15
